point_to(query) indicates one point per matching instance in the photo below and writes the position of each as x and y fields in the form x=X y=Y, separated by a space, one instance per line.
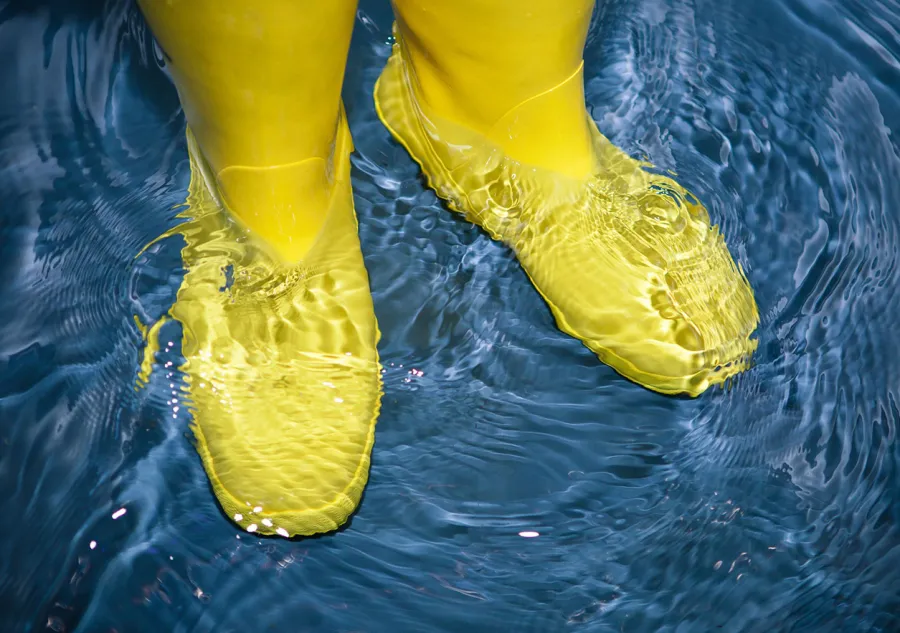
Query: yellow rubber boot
x=279 y=330
x=488 y=97
x=260 y=83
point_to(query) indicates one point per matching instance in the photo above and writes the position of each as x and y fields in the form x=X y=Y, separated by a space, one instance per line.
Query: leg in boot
x=488 y=97
x=279 y=331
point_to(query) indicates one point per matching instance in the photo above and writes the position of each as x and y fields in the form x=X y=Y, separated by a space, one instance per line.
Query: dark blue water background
x=769 y=506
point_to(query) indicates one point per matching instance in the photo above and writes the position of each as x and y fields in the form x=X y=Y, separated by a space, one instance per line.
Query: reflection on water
x=517 y=483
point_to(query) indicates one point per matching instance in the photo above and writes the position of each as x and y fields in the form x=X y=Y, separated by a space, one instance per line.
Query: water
x=773 y=505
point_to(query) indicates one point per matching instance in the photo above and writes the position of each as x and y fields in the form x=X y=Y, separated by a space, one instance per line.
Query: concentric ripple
x=517 y=483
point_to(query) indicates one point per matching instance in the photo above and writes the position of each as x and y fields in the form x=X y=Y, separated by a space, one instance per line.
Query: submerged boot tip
x=273 y=497
x=321 y=517
x=675 y=356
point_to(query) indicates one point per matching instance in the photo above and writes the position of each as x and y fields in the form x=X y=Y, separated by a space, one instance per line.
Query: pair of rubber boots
x=279 y=333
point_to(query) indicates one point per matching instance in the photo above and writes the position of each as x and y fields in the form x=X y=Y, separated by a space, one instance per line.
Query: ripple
x=771 y=504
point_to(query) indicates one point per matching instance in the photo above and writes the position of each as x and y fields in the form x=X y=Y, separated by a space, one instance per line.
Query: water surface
x=772 y=505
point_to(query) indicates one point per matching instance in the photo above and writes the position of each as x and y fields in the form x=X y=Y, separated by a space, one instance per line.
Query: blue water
x=772 y=505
